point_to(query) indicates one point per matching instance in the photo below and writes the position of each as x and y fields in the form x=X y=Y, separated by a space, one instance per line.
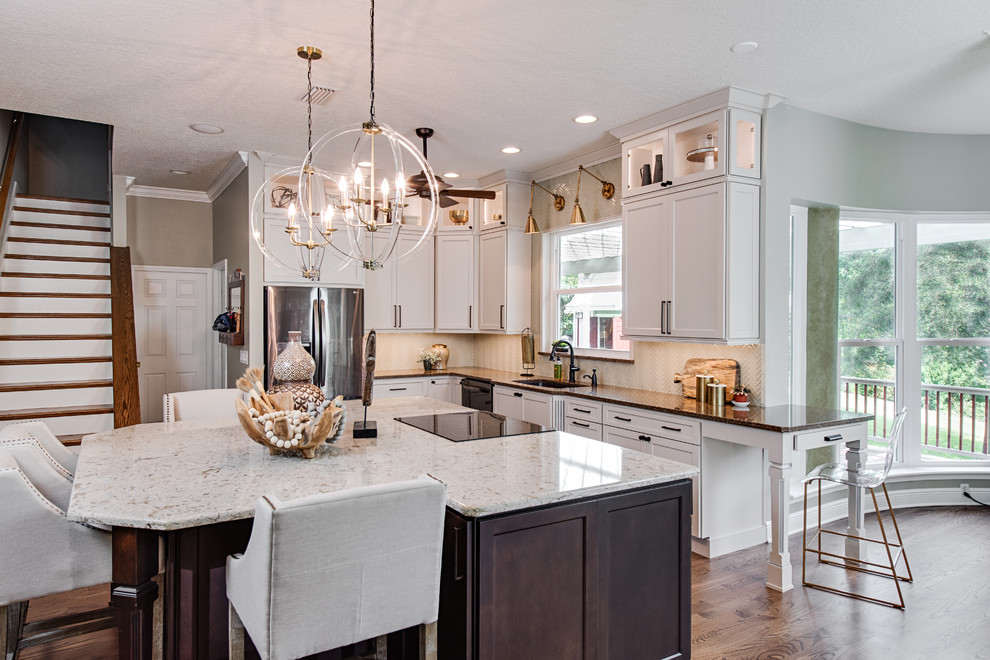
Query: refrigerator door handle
x=315 y=335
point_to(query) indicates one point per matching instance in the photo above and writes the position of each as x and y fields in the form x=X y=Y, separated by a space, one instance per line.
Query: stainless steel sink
x=549 y=382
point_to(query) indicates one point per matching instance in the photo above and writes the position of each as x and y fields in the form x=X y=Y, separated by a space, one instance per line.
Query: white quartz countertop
x=185 y=474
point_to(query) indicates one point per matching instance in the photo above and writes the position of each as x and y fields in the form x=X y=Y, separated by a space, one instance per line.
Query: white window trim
x=550 y=292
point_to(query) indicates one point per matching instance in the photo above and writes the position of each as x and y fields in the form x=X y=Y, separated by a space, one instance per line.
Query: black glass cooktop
x=474 y=425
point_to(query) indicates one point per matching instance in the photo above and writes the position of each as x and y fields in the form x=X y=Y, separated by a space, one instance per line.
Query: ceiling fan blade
x=446 y=201
x=473 y=194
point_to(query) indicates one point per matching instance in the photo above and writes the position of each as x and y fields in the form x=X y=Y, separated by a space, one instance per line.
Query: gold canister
x=716 y=394
x=701 y=382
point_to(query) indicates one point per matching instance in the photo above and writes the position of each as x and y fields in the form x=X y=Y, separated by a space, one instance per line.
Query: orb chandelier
x=351 y=196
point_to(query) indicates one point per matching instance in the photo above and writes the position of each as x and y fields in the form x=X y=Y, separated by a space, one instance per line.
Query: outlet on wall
x=964 y=488
x=244 y=357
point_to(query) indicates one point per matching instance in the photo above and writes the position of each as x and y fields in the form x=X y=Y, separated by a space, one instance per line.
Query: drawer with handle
x=582 y=428
x=387 y=388
x=835 y=435
x=581 y=409
x=651 y=423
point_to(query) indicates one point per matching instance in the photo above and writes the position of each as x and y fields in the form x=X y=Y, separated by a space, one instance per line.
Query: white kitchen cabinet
x=393 y=387
x=443 y=388
x=582 y=417
x=335 y=270
x=400 y=296
x=589 y=430
x=527 y=405
x=691 y=265
x=456 y=282
x=504 y=281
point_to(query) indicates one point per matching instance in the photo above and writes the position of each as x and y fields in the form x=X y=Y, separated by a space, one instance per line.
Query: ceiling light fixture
x=451 y=175
x=743 y=47
x=558 y=203
x=608 y=191
x=370 y=214
x=586 y=119
x=180 y=171
x=209 y=129
x=510 y=150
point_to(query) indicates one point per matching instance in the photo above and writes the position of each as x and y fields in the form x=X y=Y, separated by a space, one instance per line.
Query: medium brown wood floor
x=734 y=615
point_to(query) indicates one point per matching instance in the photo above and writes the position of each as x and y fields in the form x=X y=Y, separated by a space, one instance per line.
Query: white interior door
x=172 y=329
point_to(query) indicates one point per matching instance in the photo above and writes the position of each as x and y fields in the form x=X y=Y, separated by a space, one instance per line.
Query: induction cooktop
x=473 y=425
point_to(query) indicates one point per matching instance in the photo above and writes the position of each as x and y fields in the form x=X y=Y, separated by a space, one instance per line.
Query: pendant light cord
x=309 y=103
x=372 y=62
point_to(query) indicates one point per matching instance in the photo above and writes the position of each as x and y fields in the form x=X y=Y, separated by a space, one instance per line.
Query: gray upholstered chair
x=41 y=552
x=65 y=457
x=200 y=404
x=329 y=570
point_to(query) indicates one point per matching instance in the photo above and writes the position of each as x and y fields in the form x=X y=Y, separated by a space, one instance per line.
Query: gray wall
x=231 y=225
x=169 y=232
x=68 y=158
x=817 y=160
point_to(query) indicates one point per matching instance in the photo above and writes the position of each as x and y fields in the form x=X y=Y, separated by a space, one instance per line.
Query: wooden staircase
x=55 y=315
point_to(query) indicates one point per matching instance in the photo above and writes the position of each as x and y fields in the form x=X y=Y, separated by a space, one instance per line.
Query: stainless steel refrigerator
x=332 y=325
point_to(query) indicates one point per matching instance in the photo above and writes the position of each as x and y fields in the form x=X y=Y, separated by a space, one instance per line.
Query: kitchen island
x=555 y=546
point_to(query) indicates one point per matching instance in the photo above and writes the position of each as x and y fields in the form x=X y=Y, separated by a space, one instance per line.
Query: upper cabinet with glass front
x=711 y=136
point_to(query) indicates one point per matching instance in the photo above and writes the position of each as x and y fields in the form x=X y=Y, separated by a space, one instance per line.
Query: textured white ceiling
x=483 y=74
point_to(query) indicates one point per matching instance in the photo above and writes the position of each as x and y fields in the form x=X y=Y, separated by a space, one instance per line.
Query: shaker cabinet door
x=493 y=280
x=645 y=289
x=697 y=263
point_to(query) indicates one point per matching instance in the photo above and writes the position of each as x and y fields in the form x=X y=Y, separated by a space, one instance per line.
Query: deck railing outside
x=955 y=420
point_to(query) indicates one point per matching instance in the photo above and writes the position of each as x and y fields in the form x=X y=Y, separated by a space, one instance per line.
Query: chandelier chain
x=372 y=62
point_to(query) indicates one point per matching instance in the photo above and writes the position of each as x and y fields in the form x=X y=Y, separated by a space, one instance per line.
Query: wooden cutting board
x=727 y=371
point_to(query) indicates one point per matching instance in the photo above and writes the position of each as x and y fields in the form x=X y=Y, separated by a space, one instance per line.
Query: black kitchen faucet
x=573 y=369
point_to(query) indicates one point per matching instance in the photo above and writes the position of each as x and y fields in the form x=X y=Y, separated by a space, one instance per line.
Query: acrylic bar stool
x=865 y=478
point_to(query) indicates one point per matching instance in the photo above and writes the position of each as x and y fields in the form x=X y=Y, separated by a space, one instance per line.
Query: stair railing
x=8 y=192
x=126 y=395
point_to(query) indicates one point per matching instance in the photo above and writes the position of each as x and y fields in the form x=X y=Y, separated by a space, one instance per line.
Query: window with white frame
x=585 y=292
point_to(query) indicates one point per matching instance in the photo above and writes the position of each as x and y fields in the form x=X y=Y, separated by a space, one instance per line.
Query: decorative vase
x=658 y=169
x=644 y=173
x=428 y=366
x=444 y=355
x=293 y=370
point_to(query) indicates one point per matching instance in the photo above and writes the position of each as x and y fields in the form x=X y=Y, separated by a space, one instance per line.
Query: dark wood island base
x=605 y=577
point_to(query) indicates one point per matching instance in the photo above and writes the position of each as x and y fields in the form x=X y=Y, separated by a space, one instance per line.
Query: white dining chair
x=868 y=477
x=200 y=404
x=324 y=571
x=65 y=457
x=42 y=552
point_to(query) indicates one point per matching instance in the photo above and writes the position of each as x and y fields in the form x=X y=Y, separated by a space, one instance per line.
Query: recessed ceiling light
x=510 y=150
x=451 y=175
x=180 y=171
x=743 y=47
x=364 y=163
x=586 y=119
x=209 y=129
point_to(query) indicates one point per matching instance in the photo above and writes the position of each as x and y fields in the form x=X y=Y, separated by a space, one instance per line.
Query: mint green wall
x=817 y=160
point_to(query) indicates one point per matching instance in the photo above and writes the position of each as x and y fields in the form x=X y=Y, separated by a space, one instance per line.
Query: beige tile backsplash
x=654 y=366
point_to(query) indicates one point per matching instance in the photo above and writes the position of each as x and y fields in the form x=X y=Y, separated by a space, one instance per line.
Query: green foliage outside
x=566 y=328
x=953 y=301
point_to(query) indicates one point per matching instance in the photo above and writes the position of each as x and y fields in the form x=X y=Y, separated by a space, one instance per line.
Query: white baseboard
x=712 y=548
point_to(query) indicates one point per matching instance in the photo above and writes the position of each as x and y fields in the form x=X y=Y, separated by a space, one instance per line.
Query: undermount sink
x=549 y=382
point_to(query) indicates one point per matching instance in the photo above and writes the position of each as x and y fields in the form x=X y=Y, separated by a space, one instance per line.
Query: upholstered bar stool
x=868 y=477
x=200 y=404
x=329 y=570
x=65 y=457
x=41 y=552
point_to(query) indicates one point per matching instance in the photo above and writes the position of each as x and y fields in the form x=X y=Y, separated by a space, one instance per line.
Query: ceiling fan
x=418 y=186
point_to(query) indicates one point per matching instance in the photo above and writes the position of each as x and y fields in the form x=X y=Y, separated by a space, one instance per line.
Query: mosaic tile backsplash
x=654 y=366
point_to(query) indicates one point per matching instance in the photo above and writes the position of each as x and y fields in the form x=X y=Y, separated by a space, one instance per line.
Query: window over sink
x=585 y=292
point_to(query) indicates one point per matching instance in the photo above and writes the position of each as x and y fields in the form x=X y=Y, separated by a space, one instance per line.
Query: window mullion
x=909 y=369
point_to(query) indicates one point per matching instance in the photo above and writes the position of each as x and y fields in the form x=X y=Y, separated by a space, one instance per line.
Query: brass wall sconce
x=608 y=191
x=558 y=203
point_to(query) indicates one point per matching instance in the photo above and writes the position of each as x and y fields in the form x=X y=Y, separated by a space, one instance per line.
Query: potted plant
x=740 y=394
x=429 y=357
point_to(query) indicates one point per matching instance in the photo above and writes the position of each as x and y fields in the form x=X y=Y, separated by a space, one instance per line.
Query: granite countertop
x=782 y=419
x=185 y=474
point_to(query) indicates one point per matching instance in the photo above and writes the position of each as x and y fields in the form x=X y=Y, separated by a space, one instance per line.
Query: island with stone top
x=554 y=545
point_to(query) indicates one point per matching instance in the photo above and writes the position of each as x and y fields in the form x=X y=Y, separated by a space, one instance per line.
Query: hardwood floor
x=734 y=616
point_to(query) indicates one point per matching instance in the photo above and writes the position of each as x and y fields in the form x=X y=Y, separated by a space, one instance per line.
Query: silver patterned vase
x=293 y=370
